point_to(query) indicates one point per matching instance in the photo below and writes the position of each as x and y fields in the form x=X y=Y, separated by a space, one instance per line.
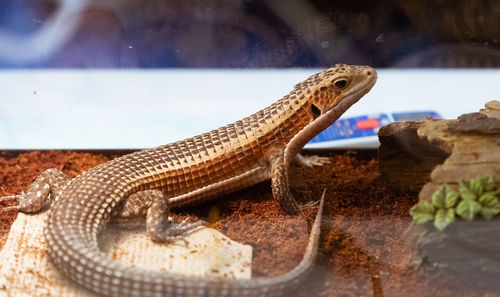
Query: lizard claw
x=9 y=208
x=311 y=161
x=308 y=205
x=186 y=226
x=10 y=197
x=313 y=203
x=175 y=230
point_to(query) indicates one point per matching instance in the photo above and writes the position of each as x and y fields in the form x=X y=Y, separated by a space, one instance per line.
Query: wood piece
x=473 y=143
x=475 y=123
x=405 y=159
x=424 y=155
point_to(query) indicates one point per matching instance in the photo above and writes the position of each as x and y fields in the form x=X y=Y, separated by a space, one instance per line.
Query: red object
x=367 y=124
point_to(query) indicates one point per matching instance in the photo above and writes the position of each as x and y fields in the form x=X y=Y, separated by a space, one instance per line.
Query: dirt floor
x=363 y=250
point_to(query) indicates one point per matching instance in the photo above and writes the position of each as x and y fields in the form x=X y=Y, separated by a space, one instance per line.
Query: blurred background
x=140 y=73
x=248 y=33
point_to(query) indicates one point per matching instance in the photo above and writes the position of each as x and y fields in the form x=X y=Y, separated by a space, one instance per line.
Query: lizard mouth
x=316 y=112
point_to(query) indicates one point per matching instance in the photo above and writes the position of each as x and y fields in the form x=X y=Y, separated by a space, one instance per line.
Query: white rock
x=26 y=269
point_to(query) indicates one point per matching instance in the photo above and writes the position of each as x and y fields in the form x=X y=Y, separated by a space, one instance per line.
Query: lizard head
x=325 y=96
x=337 y=88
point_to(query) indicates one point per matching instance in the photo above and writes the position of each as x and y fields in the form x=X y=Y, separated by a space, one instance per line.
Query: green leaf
x=489 y=199
x=423 y=212
x=444 y=197
x=489 y=213
x=488 y=183
x=443 y=218
x=465 y=191
x=490 y=205
x=467 y=209
x=476 y=185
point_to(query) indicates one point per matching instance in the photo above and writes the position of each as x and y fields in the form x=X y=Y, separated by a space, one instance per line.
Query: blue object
x=365 y=127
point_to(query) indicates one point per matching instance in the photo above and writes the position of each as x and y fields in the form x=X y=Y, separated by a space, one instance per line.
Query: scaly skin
x=236 y=156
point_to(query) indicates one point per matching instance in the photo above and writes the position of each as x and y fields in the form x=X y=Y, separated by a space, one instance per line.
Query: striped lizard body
x=149 y=182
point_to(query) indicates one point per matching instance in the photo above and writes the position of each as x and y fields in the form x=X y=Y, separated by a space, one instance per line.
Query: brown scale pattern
x=227 y=152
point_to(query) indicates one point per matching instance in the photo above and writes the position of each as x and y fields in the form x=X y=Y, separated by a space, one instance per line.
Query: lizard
x=149 y=182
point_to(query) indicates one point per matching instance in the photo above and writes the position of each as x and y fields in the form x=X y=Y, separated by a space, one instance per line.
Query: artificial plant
x=477 y=196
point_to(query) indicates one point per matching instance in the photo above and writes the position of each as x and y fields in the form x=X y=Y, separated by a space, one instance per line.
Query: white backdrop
x=113 y=109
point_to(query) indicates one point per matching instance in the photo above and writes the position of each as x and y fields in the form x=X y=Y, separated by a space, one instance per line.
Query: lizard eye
x=341 y=83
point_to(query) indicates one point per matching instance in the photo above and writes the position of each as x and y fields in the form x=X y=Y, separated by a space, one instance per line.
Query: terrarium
x=357 y=154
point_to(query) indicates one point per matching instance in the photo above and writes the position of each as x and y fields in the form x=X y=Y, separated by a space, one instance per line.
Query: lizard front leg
x=48 y=185
x=280 y=184
x=153 y=205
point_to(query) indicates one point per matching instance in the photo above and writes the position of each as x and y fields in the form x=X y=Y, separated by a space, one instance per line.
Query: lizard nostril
x=368 y=73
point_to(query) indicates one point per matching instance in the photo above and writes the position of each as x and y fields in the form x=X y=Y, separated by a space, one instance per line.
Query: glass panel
x=251 y=33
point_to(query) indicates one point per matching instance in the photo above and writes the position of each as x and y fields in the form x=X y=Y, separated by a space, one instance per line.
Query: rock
x=26 y=269
x=466 y=251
